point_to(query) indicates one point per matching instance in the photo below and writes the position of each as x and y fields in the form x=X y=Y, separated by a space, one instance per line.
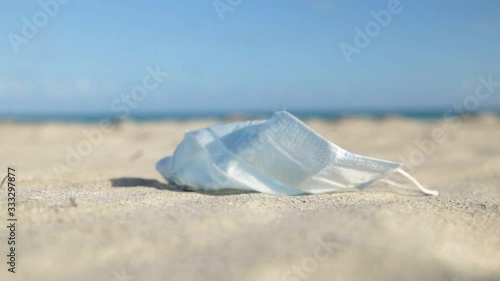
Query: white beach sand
x=112 y=217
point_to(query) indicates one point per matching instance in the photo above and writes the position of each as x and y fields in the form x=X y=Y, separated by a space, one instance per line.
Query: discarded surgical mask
x=280 y=155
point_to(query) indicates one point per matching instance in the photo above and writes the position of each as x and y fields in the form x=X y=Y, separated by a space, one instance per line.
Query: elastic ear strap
x=412 y=179
x=393 y=183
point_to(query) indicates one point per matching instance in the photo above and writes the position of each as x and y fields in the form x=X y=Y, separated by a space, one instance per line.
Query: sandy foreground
x=111 y=216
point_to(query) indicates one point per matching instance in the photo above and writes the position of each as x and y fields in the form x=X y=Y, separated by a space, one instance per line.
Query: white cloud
x=13 y=88
x=55 y=88
x=58 y=88
x=110 y=88
x=83 y=86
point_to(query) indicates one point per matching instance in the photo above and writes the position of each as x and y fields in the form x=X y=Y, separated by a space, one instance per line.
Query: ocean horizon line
x=93 y=117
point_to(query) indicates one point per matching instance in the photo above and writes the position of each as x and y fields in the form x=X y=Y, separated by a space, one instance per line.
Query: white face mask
x=278 y=156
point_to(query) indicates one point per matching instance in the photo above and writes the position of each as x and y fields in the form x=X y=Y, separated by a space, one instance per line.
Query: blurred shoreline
x=235 y=116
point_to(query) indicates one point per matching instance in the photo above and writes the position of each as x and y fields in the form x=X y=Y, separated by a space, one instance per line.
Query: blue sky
x=260 y=55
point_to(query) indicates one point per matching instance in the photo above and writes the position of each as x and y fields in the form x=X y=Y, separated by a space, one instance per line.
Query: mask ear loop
x=412 y=179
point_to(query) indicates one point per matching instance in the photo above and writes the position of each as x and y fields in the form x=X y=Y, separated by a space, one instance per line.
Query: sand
x=112 y=217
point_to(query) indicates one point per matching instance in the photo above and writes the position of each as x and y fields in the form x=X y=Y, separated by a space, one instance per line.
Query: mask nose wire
x=413 y=180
